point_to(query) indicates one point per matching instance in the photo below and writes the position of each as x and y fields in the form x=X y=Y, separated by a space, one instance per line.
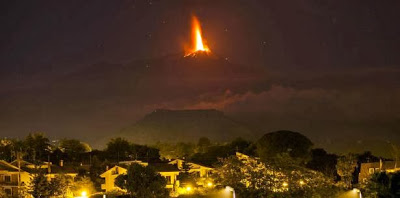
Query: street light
x=84 y=194
x=301 y=182
x=358 y=192
x=230 y=189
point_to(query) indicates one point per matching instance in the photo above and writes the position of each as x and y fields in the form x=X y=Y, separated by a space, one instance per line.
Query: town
x=279 y=164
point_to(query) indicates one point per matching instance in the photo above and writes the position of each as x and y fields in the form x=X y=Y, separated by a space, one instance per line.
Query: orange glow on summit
x=198 y=42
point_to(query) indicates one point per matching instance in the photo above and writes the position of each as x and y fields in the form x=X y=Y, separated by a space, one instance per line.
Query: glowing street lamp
x=84 y=194
x=357 y=192
x=230 y=189
x=301 y=182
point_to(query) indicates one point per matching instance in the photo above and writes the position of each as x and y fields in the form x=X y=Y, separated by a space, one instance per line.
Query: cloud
x=313 y=103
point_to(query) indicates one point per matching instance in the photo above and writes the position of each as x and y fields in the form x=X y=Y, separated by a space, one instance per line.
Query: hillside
x=185 y=125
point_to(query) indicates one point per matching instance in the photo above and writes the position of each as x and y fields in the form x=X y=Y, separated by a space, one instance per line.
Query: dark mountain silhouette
x=185 y=125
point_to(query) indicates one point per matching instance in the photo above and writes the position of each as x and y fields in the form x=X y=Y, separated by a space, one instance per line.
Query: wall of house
x=109 y=178
x=368 y=169
x=8 y=178
x=9 y=181
x=171 y=178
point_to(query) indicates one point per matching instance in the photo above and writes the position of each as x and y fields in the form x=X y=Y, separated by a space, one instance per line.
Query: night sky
x=331 y=69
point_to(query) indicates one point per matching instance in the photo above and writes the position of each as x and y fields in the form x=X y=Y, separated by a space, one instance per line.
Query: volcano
x=126 y=92
x=106 y=97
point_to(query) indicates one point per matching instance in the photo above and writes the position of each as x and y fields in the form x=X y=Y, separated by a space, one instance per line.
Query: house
x=12 y=178
x=15 y=177
x=201 y=171
x=50 y=169
x=109 y=178
x=169 y=172
x=368 y=169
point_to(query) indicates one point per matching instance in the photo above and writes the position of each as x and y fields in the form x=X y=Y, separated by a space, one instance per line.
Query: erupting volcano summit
x=198 y=44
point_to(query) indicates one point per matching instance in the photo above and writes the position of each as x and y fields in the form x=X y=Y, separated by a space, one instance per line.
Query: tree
x=18 y=149
x=323 y=162
x=203 y=144
x=142 y=182
x=179 y=150
x=301 y=181
x=229 y=173
x=378 y=186
x=83 y=184
x=39 y=185
x=214 y=152
x=118 y=149
x=294 y=143
x=345 y=168
x=37 y=147
x=96 y=169
x=59 y=185
x=184 y=150
x=185 y=177
x=144 y=152
x=367 y=157
x=284 y=178
x=6 y=151
x=73 y=148
x=243 y=146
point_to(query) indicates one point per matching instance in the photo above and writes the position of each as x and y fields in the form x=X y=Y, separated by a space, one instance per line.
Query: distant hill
x=185 y=125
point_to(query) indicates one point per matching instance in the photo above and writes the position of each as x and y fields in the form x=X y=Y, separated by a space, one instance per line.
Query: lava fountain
x=198 y=44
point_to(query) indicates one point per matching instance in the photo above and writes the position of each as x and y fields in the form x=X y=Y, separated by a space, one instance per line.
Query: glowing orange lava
x=198 y=42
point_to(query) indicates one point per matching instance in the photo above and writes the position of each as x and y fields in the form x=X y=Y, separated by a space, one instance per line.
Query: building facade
x=168 y=171
x=15 y=177
x=368 y=169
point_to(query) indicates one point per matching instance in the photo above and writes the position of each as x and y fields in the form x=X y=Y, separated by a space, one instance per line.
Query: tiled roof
x=6 y=166
x=63 y=169
x=164 y=167
x=22 y=163
x=385 y=165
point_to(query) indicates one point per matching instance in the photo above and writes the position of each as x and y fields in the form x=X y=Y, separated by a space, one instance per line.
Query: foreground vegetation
x=282 y=164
